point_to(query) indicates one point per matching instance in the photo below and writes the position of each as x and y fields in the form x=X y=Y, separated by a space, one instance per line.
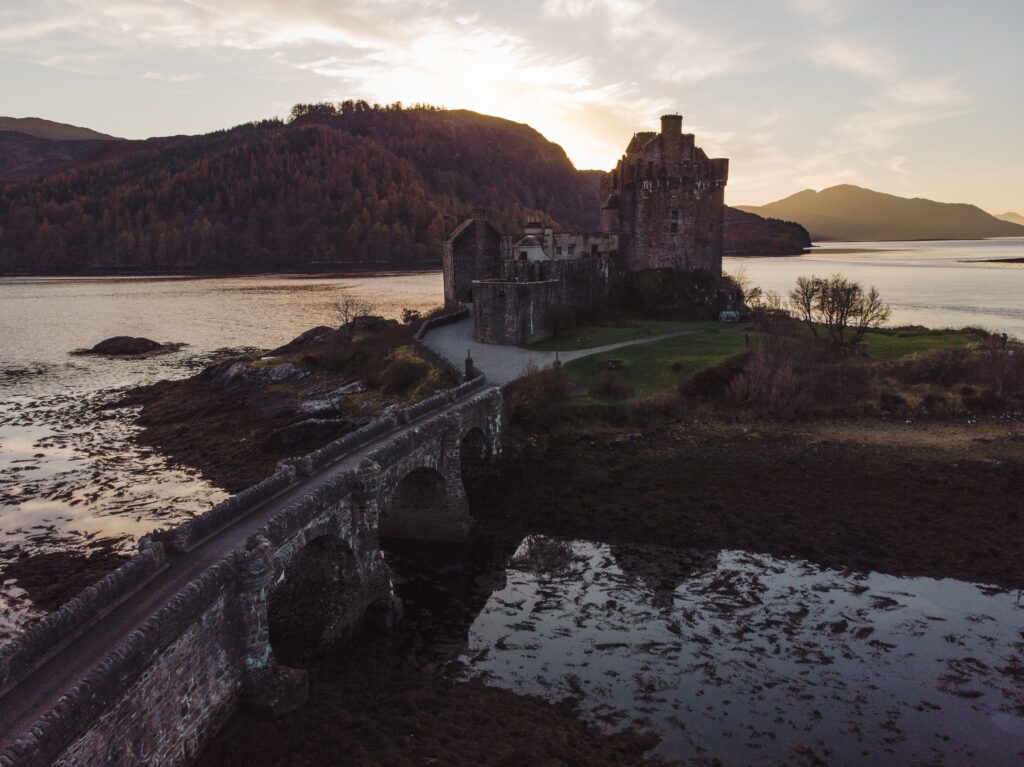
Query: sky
x=911 y=97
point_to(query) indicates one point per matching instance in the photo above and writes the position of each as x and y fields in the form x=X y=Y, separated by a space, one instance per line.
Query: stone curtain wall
x=513 y=312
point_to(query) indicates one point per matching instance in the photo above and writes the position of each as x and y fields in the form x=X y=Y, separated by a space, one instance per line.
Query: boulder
x=126 y=346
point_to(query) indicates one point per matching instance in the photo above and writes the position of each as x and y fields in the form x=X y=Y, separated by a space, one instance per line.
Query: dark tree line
x=345 y=183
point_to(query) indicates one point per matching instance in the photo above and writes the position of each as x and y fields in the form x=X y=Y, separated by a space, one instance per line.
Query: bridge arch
x=425 y=504
x=474 y=451
x=315 y=600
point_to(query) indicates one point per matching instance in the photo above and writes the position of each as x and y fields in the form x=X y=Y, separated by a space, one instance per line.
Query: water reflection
x=756 y=660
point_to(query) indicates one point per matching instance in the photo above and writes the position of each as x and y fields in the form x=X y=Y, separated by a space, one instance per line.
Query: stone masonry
x=663 y=209
x=293 y=567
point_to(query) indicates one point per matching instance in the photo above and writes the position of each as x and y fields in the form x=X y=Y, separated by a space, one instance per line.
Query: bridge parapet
x=98 y=702
x=211 y=642
x=21 y=655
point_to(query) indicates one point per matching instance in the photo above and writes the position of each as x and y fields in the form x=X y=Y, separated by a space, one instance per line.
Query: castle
x=663 y=209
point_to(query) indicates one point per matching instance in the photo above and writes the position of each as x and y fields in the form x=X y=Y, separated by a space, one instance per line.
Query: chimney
x=671 y=125
x=480 y=213
x=447 y=226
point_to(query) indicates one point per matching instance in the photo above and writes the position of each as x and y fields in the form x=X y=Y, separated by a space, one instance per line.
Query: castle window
x=558 y=250
x=674 y=222
x=571 y=249
x=523 y=255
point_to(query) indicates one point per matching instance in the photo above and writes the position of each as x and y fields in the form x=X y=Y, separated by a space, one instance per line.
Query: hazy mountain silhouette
x=852 y=213
x=40 y=128
x=1013 y=218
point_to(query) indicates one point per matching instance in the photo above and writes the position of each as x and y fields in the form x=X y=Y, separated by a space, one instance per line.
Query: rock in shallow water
x=128 y=346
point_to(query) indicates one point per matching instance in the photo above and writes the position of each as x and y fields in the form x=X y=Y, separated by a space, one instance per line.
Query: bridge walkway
x=39 y=692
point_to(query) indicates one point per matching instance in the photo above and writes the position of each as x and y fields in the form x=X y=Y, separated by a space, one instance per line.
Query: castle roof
x=461 y=228
x=530 y=241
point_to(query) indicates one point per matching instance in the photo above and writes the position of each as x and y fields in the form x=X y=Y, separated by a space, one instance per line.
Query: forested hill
x=334 y=185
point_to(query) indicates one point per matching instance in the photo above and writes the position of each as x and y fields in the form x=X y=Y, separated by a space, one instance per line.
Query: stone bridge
x=146 y=666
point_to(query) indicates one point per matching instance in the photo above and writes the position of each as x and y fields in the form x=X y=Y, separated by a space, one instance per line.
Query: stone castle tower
x=668 y=198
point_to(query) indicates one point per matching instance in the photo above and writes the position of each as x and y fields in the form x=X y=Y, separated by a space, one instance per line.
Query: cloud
x=935 y=92
x=165 y=78
x=848 y=56
x=827 y=12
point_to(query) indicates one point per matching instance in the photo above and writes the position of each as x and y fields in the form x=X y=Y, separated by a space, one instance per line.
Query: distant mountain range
x=1013 y=218
x=336 y=186
x=855 y=214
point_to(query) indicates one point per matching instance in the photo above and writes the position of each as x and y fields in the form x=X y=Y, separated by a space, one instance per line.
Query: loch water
x=729 y=655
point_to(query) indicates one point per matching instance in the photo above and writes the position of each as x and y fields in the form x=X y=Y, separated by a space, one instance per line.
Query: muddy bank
x=51 y=578
x=239 y=416
x=941 y=500
x=370 y=706
x=395 y=699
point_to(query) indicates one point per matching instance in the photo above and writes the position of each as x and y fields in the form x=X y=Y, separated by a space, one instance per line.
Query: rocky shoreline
x=915 y=497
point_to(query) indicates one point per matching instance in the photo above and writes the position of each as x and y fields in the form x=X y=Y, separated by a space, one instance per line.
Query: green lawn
x=590 y=336
x=886 y=346
x=658 y=366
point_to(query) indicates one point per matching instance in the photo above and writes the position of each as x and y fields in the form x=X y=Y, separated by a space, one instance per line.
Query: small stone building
x=472 y=250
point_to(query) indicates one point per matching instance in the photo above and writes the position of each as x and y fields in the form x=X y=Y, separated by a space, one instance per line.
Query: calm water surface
x=936 y=284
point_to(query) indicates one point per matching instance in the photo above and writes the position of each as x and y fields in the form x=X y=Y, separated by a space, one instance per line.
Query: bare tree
x=871 y=313
x=349 y=309
x=840 y=305
x=804 y=299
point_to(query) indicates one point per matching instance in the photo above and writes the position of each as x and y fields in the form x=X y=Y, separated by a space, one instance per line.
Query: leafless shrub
x=839 y=305
x=349 y=309
x=769 y=382
x=540 y=397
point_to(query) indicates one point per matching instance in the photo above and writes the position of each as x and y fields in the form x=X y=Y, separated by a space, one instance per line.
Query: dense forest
x=748 y=234
x=335 y=185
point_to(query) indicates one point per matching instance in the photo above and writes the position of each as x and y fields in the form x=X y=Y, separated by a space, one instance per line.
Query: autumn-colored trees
x=337 y=184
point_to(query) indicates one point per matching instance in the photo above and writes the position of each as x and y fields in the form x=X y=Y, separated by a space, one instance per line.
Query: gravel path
x=502 y=364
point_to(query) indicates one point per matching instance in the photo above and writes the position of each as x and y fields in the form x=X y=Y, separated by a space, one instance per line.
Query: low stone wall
x=429 y=354
x=294 y=517
x=185 y=536
x=138 y=685
x=24 y=653
x=513 y=313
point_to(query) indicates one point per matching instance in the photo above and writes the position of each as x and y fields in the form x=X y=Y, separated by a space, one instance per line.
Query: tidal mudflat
x=754 y=659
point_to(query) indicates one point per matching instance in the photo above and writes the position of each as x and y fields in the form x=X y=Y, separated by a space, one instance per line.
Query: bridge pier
x=267 y=687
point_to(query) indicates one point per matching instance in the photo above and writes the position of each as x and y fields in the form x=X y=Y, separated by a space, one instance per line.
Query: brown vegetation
x=236 y=419
x=934 y=499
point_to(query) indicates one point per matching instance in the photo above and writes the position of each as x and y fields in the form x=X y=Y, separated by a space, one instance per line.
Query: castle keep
x=663 y=208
